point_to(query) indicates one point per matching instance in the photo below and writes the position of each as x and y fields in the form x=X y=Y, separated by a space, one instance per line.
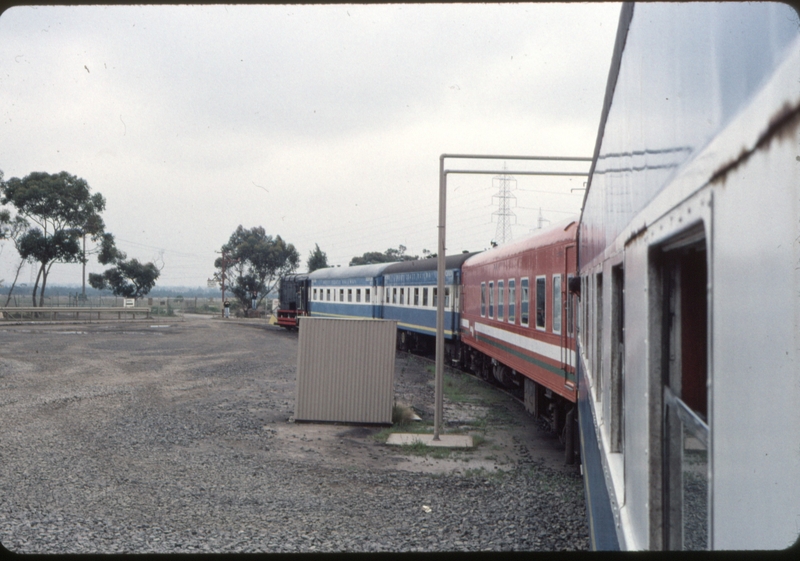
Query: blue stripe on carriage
x=602 y=531
x=421 y=320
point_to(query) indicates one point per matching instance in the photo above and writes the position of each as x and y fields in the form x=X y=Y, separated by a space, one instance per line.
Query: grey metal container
x=345 y=370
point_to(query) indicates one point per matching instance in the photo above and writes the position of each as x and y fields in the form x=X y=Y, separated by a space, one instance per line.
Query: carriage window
x=598 y=336
x=349 y=294
x=523 y=307
x=434 y=303
x=367 y=295
x=358 y=295
x=616 y=384
x=500 y=300
x=483 y=299
x=394 y=295
x=416 y=296
x=540 y=302
x=512 y=301
x=491 y=299
x=557 y=304
x=402 y=296
x=315 y=294
x=425 y=296
x=447 y=298
x=328 y=294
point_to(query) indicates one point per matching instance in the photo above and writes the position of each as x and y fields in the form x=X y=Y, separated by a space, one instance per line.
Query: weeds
x=483 y=473
x=421 y=449
x=402 y=414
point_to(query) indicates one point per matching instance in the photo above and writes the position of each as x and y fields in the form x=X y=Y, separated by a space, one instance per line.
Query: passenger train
x=668 y=313
x=508 y=316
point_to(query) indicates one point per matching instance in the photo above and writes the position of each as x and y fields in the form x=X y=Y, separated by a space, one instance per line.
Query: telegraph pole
x=83 y=292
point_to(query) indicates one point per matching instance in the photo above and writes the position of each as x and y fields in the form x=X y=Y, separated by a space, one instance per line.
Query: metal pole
x=506 y=172
x=84 y=266
x=440 y=269
x=224 y=264
x=437 y=416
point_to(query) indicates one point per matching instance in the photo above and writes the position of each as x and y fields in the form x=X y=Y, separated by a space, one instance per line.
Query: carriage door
x=374 y=300
x=567 y=346
x=684 y=370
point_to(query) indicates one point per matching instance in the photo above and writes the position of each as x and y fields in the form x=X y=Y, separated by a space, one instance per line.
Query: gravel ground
x=178 y=437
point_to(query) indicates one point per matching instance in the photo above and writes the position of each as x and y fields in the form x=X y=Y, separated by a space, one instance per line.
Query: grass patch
x=477 y=440
x=420 y=449
x=460 y=387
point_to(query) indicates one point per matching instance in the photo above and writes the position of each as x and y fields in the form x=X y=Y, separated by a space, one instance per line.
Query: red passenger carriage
x=517 y=319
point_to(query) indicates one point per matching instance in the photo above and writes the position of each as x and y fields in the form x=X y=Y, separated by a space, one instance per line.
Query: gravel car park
x=178 y=436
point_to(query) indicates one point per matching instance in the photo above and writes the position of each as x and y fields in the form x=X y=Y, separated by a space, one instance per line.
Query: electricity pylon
x=506 y=199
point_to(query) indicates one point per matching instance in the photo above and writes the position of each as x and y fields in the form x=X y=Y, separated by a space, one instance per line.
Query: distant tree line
x=391 y=255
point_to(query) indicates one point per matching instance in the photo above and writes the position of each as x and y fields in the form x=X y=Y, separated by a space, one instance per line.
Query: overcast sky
x=323 y=124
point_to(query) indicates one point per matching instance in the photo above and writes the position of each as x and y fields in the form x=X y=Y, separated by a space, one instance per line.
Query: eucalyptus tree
x=61 y=210
x=317 y=259
x=128 y=277
x=391 y=255
x=12 y=229
x=252 y=262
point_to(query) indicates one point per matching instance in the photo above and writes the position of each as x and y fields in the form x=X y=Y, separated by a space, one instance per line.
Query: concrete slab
x=445 y=440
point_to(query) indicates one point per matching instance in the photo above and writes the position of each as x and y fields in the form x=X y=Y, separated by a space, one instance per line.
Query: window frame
x=500 y=300
x=558 y=304
x=512 y=301
x=525 y=302
x=542 y=327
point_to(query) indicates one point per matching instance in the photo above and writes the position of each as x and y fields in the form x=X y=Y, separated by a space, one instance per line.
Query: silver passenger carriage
x=689 y=259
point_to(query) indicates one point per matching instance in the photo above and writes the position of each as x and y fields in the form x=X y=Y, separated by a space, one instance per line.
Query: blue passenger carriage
x=346 y=292
x=410 y=298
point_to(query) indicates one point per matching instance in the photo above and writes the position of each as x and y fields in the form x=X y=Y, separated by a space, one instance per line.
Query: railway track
x=516 y=394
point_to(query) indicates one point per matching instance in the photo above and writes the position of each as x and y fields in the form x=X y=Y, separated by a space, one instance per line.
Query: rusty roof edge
x=781 y=125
